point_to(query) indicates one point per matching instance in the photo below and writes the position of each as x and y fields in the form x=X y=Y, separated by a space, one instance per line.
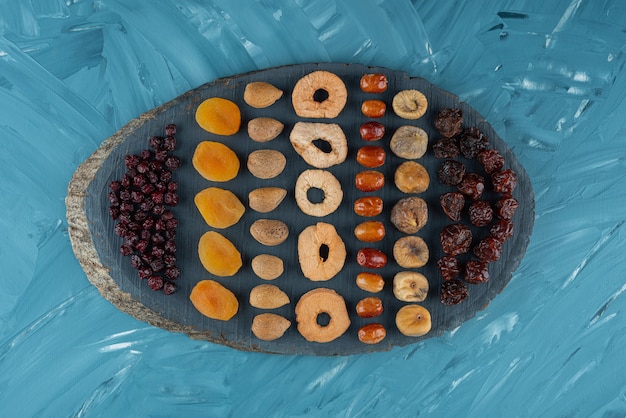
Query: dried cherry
x=449 y=267
x=506 y=207
x=472 y=186
x=449 y=122
x=452 y=204
x=446 y=148
x=451 y=172
x=476 y=272
x=491 y=160
x=480 y=213
x=502 y=230
x=453 y=292
x=488 y=249
x=455 y=239
x=472 y=141
x=504 y=181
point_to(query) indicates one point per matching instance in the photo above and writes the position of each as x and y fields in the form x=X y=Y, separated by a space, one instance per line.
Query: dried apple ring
x=319 y=83
x=324 y=181
x=303 y=137
x=321 y=252
x=316 y=302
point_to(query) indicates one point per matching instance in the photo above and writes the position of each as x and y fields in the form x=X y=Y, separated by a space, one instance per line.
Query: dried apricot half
x=213 y=300
x=219 y=116
x=220 y=208
x=218 y=255
x=215 y=161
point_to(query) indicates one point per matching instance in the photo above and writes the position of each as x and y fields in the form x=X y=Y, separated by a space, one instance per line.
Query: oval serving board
x=97 y=247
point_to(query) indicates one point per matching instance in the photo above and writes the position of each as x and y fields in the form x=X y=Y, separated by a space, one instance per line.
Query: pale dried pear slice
x=267 y=266
x=268 y=296
x=264 y=129
x=270 y=232
x=260 y=94
x=266 y=199
x=410 y=104
x=269 y=326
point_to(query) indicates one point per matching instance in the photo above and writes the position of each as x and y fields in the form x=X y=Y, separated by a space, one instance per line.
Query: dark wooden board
x=97 y=247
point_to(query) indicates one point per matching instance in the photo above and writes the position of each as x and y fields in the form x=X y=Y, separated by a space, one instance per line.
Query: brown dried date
x=369 y=180
x=372 y=333
x=369 y=307
x=446 y=148
x=480 y=213
x=370 y=282
x=455 y=239
x=491 y=160
x=472 y=186
x=373 y=83
x=370 y=231
x=451 y=172
x=506 y=207
x=368 y=206
x=371 y=156
x=372 y=131
x=502 y=230
x=452 y=204
x=449 y=267
x=476 y=272
x=472 y=141
x=504 y=181
x=373 y=108
x=449 y=122
x=488 y=249
x=371 y=258
x=453 y=292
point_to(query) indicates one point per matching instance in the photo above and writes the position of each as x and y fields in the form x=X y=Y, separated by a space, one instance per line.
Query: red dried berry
x=172 y=272
x=155 y=142
x=455 y=239
x=446 y=148
x=472 y=141
x=451 y=172
x=488 y=249
x=502 y=230
x=155 y=282
x=506 y=207
x=449 y=267
x=170 y=129
x=504 y=181
x=476 y=272
x=452 y=204
x=169 y=288
x=372 y=131
x=480 y=213
x=472 y=186
x=453 y=292
x=491 y=160
x=449 y=122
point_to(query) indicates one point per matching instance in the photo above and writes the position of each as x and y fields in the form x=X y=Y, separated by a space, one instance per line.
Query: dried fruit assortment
x=363 y=191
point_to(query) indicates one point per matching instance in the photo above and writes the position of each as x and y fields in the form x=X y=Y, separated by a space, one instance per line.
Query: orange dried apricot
x=213 y=300
x=219 y=116
x=220 y=208
x=218 y=255
x=215 y=161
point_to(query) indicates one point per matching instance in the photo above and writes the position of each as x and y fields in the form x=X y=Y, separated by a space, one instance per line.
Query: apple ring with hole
x=321 y=180
x=304 y=135
x=316 y=302
x=321 y=252
x=320 y=94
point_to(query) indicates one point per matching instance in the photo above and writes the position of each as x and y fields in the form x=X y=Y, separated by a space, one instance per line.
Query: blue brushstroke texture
x=549 y=76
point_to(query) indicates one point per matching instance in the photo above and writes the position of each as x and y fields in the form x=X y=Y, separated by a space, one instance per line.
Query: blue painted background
x=548 y=75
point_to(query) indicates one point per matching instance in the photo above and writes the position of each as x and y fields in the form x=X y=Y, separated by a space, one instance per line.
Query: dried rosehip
x=452 y=204
x=446 y=148
x=455 y=239
x=476 y=272
x=504 y=181
x=472 y=186
x=502 y=230
x=472 y=141
x=449 y=122
x=449 y=267
x=491 y=160
x=372 y=131
x=488 y=249
x=371 y=258
x=480 y=213
x=453 y=292
x=451 y=172
x=506 y=207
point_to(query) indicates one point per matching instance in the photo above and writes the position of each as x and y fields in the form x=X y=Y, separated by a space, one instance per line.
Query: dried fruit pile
x=142 y=203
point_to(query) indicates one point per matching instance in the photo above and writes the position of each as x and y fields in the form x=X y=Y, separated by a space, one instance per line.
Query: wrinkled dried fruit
x=502 y=230
x=472 y=141
x=368 y=206
x=455 y=239
x=409 y=142
x=453 y=292
x=413 y=320
x=371 y=258
x=411 y=252
x=491 y=160
x=220 y=208
x=372 y=131
x=449 y=122
x=446 y=148
x=472 y=186
x=370 y=282
x=488 y=249
x=480 y=213
x=373 y=83
x=476 y=272
x=410 y=104
x=409 y=214
x=219 y=116
x=372 y=333
x=370 y=231
x=269 y=326
x=452 y=204
x=373 y=108
x=411 y=177
x=506 y=207
x=451 y=172
x=504 y=181
x=369 y=180
x=369 y=307
x=449 y=267
x=215 y=161
x=218 y=255
x=371 y=156
x=213 y=300
x=410 y=286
